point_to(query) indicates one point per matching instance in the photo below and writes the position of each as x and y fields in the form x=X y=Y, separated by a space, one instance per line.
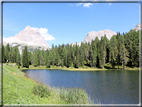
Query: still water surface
x=108 y=87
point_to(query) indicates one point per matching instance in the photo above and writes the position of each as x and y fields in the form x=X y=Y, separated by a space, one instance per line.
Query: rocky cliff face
x=30 y=37
x=138 y=27
x=92 y=35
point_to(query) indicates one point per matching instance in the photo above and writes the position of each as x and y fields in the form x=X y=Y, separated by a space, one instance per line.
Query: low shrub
x=74 y=96
x=42 y=90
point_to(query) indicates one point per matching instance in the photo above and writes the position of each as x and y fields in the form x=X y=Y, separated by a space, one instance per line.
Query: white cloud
x=44 y=33
x=78 y=4
x=84 y=4
x=87 y=5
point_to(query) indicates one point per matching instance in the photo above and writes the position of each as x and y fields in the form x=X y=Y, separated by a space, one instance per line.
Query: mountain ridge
x=29 y=37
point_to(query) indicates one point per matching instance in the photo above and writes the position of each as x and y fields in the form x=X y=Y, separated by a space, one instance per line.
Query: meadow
x=18 y=89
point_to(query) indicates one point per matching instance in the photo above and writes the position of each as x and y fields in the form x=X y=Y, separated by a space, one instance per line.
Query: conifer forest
x=121 y=49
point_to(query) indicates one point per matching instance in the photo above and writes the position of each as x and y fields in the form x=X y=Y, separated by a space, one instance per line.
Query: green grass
x=85 y=68
x=18 y=89
x=120 y=67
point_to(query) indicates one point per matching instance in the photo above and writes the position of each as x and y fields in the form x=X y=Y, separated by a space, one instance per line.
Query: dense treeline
x=119 y=50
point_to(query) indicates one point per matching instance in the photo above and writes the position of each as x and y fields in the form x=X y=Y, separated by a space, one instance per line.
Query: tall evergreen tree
x=119 y=46
x=30 y=58
x=47 y=58
x=18 y=59
x=38 y=57
x=113 y=50
x=91 y=56
x=7 y=51
x=94 y=50
x=69 y=61
x=3 y=54
x=53 y=55
x=77 y=57
x=58 y=60
x=97 y=41
x=124 y=55
x=25 y=58
x=36 y=62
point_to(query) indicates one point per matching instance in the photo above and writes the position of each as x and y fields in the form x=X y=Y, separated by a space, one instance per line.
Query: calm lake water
x=108 y=87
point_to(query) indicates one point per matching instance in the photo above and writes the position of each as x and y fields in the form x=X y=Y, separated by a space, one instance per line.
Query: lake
x=106 y=87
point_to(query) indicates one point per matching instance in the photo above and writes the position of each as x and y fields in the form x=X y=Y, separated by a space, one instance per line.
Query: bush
x=74 y=96
x=18 y=67
x=42 y=90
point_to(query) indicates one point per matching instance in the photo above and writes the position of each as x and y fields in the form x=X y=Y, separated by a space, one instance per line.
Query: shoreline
x=76 y=69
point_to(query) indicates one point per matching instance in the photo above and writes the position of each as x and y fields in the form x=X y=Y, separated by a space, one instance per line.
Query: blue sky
x=69 y=22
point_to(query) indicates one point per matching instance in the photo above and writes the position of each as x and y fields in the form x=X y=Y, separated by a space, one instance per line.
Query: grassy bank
x=65 y=68
x=17 y=89
x=85 y=68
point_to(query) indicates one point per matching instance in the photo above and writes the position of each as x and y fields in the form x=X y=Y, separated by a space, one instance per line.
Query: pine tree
x=98 y=51
x=102 y=56
x=7 y=52
x=69 y=62
x=33 y=57
x=124 y=55
x=30 y=58
x=91 y=56
x=132 y=46
x=42 y=58
x=87 y=55
x=36 y=63
x=18 y=59
x=82 y=51
x=94 y=50
x=11 y=55
x=77 y=57
x=73 y=54
x=119 y=46
x=53 y=55
x=22 y=57
x=65 y=56
x=49 y=59
x=3 y=54
x=15 y=53
x=25 y=58
x=46 y=57
x=58 y=60
x=113 y=50
x=38 y=57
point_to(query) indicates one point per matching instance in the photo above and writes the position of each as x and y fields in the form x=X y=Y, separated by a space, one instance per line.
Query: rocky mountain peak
x=30 y=37
x=27 y=27
x=138 y=27
x=92 y=35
